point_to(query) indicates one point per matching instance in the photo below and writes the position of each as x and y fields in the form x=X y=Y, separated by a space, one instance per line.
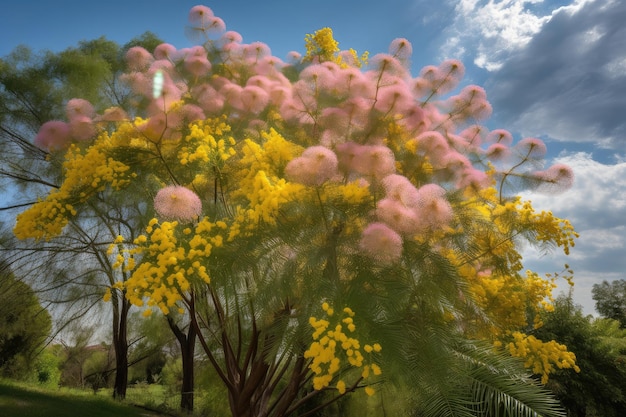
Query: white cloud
x=596 y=206
x=569 y=82
x=491 y=30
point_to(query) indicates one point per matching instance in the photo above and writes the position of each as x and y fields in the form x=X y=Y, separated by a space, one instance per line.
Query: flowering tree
x=329 y=224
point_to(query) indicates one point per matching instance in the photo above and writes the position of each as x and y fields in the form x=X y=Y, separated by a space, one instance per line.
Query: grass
x=18 y=400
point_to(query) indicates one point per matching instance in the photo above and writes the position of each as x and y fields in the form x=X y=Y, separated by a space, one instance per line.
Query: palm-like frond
x=468 y=378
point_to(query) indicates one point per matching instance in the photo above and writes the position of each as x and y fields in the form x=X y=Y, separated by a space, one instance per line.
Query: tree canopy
x=24 y=324
x=331 y=225
x=610 y=298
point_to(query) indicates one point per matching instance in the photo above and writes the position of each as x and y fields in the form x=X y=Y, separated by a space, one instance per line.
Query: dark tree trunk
x=120 y=343
x=187 y=349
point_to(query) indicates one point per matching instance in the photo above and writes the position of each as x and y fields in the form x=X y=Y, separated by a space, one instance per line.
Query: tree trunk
x=187 y=349
x=120 y=344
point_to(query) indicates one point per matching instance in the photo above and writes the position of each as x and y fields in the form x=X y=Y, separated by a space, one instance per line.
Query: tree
x=24 y=325
x=39 y=88
x=599 y=347
x=610 y=300
x=325 y=226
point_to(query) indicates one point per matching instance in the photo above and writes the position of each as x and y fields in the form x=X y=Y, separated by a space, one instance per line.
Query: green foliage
x=47 y=370
x=599 y=389
x=610 y=300
x=24 y=325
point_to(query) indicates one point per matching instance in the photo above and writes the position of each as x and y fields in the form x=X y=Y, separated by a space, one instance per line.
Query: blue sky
x=554 y=69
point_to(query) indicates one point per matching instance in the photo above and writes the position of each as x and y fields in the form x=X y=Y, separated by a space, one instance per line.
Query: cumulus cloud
x=569 y=82
x=490 y=31
x=596 y=206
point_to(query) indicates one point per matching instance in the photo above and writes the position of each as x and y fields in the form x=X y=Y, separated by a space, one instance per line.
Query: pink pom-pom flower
x=381 y=243
x=175 y=202
x=53 y=136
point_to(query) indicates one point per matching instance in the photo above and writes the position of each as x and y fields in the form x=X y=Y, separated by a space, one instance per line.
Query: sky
x=552 y=69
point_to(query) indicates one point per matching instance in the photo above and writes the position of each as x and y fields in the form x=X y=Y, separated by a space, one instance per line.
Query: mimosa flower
x=175 y=202
x=53 y=136
x=382 y=243
x=79 y=108
x=138 y=58
x=317 y=165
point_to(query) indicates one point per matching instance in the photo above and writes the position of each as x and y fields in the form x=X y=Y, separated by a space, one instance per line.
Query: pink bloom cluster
x=315 y=166
x=175 y=202
x=57 y=135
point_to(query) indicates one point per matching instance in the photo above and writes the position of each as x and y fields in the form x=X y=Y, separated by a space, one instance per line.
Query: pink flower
x=500 y=136
x=256 y=50
x=138 y=82
x=473 y=179
x=434 y=210
x=113 y=114
x=254 y=99
x=138 y=58
x=82 y=128
x=230 y=37
x=374 y=160
x=531 y=148
x=208 y=99
x=165 y=51
x=175 y=202
x=395 y=98
x=191 y=112
x=498 y=152
x=433 y=145
x=451 y=72
x=381 y=243
x=353 y=82
x=196 y=62
x=77 y=107
x=401 y=48
x=398 y=216
x=558 y=178
x=232 y=95
x=474 y=135
x=315 y=166
x=199 y=15
x=53 y=136
x=399 y=188
x=386 y=64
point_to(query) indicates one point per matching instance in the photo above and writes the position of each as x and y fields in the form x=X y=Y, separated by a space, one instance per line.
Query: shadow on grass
x=18 y=401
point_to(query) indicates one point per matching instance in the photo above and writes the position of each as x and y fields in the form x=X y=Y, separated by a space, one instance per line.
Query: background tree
x=36 y=88
x=610 y=298
x=24 y=325
x=299 y=214
x=599 y=389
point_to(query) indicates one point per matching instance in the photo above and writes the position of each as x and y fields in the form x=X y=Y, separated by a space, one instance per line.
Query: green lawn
x=17 y=400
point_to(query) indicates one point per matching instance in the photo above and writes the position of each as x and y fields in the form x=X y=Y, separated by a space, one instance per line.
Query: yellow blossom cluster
x=332 y=347
x=262 y=190
x=172 y=255
x=508 y=298
x=542 y=357
x=552 y=229
x=322 y=46
x=207 y=142
x=86 y=171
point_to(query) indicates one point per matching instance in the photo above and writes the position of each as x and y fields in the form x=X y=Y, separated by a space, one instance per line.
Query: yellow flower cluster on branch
x=207 y=142
x=321 y=46
x=262 y=190
x=85 y=173
x=332 y=347
x=542 y=357
x=172 y=256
